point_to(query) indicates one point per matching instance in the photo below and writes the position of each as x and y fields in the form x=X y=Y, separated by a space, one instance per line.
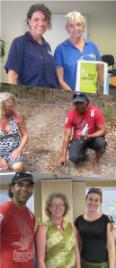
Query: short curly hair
x=43 y=9
x=49 y=201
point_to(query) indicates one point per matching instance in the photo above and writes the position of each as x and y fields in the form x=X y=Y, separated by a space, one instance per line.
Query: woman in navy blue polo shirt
x=30 y=60
x=73 y=49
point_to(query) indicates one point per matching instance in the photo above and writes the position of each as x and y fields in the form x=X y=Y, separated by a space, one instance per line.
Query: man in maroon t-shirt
x=17 y=224
x=85 y=127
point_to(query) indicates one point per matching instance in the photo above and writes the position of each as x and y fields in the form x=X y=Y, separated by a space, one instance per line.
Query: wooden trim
x=113 y=81
x=101 y=184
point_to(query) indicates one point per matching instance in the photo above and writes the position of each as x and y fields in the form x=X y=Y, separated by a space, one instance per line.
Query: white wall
x=100 y=15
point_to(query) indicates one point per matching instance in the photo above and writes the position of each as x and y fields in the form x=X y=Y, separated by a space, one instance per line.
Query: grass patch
x=109 y=112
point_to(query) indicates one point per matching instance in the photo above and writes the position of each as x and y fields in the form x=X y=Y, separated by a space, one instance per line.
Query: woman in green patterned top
x=55 y=239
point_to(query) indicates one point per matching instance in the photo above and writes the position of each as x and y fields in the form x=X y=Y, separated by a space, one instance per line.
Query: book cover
x=91 y=77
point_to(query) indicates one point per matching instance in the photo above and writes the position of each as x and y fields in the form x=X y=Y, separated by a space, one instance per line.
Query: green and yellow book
x=91 y=77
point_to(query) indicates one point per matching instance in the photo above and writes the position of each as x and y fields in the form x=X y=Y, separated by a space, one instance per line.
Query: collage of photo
x=57 y=134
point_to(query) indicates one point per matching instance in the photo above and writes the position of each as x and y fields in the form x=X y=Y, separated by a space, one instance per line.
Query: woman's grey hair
x=6 y=95
x=74 y=17
x=49 y=202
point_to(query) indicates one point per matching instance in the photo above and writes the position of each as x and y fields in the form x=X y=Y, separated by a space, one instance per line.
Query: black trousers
x=77 y=148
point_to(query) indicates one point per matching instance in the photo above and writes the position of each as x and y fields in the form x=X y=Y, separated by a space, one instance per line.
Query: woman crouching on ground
x=13 y=134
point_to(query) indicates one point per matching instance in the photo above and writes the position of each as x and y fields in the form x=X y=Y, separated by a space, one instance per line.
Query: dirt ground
x=44 y=112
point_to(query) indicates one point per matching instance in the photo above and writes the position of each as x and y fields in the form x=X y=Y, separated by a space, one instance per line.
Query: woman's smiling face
x=75 y=29
x=38 y=23
x=93 y=202
x=9 y=106
x=57 y=207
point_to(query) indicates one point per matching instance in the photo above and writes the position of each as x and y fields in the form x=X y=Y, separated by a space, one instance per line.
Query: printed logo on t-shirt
x=23 y=247
x=22 y=256
x=90 y=56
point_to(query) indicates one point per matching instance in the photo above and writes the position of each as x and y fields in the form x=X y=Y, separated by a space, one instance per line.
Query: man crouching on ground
x=85 y=127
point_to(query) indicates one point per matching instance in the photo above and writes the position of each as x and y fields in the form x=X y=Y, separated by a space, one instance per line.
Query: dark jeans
x=77 y=148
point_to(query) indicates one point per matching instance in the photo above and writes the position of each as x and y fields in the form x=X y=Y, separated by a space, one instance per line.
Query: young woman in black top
x=95 y=234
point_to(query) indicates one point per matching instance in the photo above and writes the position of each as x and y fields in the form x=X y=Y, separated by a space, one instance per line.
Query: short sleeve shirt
x=67 y=55
x=33 y=62
x=76 y=121
x=93 y=235
x=17 y=236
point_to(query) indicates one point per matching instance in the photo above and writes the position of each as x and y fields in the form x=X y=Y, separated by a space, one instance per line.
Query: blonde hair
x=5 y=96
x=73 y=17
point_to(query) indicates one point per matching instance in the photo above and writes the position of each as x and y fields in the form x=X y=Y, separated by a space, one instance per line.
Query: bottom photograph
x=49 y=221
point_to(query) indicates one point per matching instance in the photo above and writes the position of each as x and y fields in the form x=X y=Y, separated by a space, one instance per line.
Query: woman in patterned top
x=13 y=134
x=55 y=239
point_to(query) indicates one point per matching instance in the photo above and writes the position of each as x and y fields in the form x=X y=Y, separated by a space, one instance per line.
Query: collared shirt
x=67 y=55
x=33 y=62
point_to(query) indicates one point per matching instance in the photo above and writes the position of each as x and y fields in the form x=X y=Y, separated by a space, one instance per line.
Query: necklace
x=59 y=226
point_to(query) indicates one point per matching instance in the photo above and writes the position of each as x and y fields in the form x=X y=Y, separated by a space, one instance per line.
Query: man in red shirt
x=85 y=127
x=17 y=224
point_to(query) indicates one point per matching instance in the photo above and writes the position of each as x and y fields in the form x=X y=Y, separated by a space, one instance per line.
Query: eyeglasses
x=57 y=205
